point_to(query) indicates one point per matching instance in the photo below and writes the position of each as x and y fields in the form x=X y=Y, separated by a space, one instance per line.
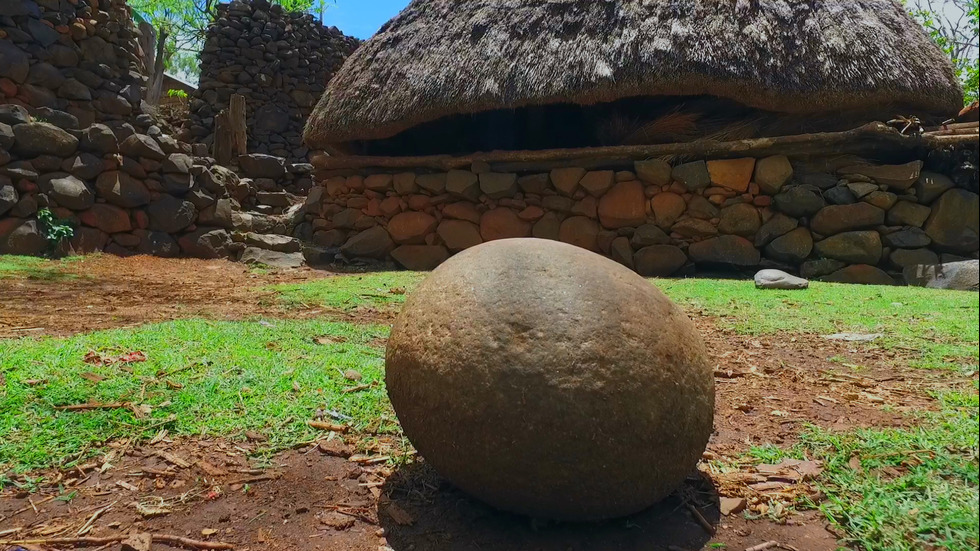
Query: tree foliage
x=185 y=23
x=953 y=24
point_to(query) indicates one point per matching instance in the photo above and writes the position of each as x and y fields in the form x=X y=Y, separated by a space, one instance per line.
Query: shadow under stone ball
x=550 y=381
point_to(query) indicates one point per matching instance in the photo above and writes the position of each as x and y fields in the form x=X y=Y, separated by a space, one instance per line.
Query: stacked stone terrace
x=74 y=140
x=855 y=222
x=281 y=62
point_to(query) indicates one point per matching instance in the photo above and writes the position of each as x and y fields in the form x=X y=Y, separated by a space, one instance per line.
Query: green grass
x=230 y=377
x=32 y=267
x=376 y=289
x=938 y=328
x=914 y=488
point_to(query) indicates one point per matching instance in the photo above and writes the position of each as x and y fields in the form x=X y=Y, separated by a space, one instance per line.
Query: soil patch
x=104 y=291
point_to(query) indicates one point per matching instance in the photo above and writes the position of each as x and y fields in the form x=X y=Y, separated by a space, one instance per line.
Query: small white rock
x=778 y=279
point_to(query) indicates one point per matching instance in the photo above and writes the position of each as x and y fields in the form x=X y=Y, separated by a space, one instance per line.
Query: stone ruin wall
x=73 y=139
x=72 y=63
x=281 y=62
x=861 y=224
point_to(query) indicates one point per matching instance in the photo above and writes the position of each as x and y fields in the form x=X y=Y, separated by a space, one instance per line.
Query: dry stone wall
x=72 y=63
x=856 y=222
x=122 y=191
x=281 y=62
x=74 y=140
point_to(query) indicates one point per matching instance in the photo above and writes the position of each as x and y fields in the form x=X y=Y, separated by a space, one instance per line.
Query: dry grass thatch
x=443 y=57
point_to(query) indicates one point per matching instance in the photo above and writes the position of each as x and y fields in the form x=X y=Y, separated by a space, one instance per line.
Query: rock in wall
x=72 y=63
x=281 y=62
x=853 y=222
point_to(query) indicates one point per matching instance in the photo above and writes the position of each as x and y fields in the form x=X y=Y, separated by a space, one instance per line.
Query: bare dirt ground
x=314 y=497
x=103 y=292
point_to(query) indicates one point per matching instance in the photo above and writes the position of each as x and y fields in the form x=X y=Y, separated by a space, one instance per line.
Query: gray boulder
x=957 y=276
x=778 y=279
x=40 y=138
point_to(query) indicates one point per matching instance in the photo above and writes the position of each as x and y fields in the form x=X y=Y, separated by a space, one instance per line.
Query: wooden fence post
x=230 y=132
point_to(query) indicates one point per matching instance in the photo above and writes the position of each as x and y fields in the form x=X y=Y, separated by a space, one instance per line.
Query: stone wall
x=72 y=63
x=279 y=61
x=854 y=222
x=124 y=192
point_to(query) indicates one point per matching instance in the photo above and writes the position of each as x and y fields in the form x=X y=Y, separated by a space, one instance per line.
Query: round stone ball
x=547 y=380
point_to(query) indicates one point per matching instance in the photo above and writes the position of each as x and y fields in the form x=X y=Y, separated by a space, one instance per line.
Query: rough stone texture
x=793 y=247
x=693 y=176
x=280 y=61
x=798 y=201
x=371 y=243
x=840 y=218
x=170 y=215
x=667 y=208
x=278 y=243
x=498 y=185
x=22 y=237
x=502 y=223
x=257 y=165
x=420 y=257
x=491 y=326
x=107 y=218
x=733 y=174
x=739 y=219
x=904 y=258
x=566 y=180
x=779 y=224
x=856 y=247
x=459 y=234
x=623 y=205
x=655 y=172
x=463 y=184
x=772 y=173
x=899 y=177
x=276 y=259
x=862 y=274
x=411 y=227
x=141 y=145
x=725 y=249
x=122 y=190
x=907 y=213
x=648 y=234
x=954 y=224
x=40 y=138
x=930 y=186
x=580 y=231
x=659 y=260
x=957 y=276
x=908 y=238
x=67 y=190
x=597 y=182
x=778 y=279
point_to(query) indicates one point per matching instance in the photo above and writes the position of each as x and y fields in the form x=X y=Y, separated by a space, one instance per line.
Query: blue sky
x=361 y=18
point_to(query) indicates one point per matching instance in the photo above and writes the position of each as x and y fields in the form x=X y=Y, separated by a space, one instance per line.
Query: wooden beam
x=867 y=139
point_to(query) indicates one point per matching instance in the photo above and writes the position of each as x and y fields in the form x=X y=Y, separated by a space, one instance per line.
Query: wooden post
x=239 y=137
x=230 y=132
x=222 y=138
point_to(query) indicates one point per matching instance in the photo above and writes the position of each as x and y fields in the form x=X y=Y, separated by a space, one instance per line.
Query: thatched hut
x=449 y=76
x=673 y=136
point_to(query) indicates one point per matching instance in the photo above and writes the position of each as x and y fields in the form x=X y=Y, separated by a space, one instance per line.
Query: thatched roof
x=446 y=57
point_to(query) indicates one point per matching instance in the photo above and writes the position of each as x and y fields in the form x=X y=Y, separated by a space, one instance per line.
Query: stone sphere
x=550 y=381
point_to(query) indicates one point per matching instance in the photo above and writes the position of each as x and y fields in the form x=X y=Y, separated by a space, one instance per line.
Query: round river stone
x=550 y=381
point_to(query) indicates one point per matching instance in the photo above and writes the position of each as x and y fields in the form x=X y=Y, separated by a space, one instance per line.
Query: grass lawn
x=375 y=290
x=887 y=489
x=199 y=378
x=32 y=267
